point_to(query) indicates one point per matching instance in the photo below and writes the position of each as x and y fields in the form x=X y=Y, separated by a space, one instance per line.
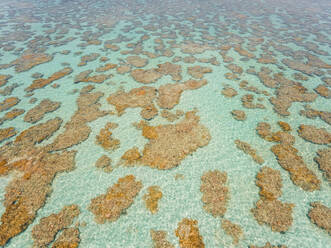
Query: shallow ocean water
x=228 y=40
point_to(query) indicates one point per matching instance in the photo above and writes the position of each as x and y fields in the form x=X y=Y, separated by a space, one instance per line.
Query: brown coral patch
x=274 y=213
x=198 y=71
x=29 y=60
x=324 y=162
x=248 y=149
x=8 y=103
x=22 y=200
x=171 y=143
x=152 y=198
x=232 y=229
x=109 y=206
x=131 y=156
x=37 y=113
x=300 y=175
x=146 y=76
x=42 y=82
x=315 y=135
x=172 y=116
x=123 y=69
x=175 y=71
x=215 y=194
x=11 y=115
x=44 y=232
x=69 y=238
x=169 y=94
x=188 y=234
x=239 y=115
x=106 y=67
x=88 y=58
x=270 y=183
x=4 y=79
x=76 y=130
x=6 y=133
x=268 y=245
x=229 y=92
x=142 y=97
x=105 y=138
x=313 y=113
x=235 y=68
x=320 y=215
x=160 y=239
x=248 y=102
x=137 y=61
x=286 y=95
x=104 y=162
x=323 y=91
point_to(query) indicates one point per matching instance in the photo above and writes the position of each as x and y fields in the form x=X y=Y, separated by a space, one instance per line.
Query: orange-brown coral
x=160 y=239
x=215 y=194
x=6 y=133
x=171 y=116
x=198 y=71
x=175 y=71
x=105 y=138
x=247 y=148
x=152 y=198
x=270 y=183
x=239 y=115
x=137 y=61
x=315 y=135
x=146 y=76
x=42 y=82
x=142 y=97
x=286 y=95
x=4 y=79
x=247 y=102
x=104 y=162
x=229 y=92
x=324 y=162
x=169 y=94
x=77 y=130
x=22 y=200
x=311 y=113
x=29 y=60
x=68 y=238
x=8 y=103
x=44 y=232
x=106 y=67
x=37 y=113
x=131 y=156
x=12 y=114
x=232 y=229
x=323 y=91
x=320 y=215
x=301 y=176
x=88 y=58
x=264 y=131
x=109 y=206
x=188 y=234
x=274 y=213
x=170 y=144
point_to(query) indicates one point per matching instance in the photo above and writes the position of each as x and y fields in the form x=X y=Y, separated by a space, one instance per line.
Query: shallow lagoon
x=138 y=144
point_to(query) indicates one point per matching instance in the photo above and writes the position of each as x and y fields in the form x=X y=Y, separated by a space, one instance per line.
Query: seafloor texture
x=174 y=123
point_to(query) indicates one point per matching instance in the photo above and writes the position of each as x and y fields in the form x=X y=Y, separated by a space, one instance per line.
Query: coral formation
x=105 y=138
x=160 y=239
x=188 y=234
x=68 y=238
x=234 y=230
x=109 y=206
x=247 y=148
x=320 y=215
x=315 y=135
x=239 y=115
x=38 y=112
x=215 y=194
x=152 y=198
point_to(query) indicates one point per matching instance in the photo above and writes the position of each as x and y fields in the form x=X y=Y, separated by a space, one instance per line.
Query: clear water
x=279 y=22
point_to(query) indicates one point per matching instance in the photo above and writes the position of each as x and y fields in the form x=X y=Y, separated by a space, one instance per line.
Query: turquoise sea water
x=210 y=25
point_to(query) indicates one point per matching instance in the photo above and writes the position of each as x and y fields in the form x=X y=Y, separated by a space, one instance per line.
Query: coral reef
x=152 y=198
x=268 y=245
x=6 y=133
x=247 y=148
x=320 y=215
x=215 y=194
x=68 y=238
x=104 y=162
x=8 y=103
x=229 y=92
x=198 y=71
x=175 y=71
x=188 y=234
x=239 y=115
x=136 y=61
x=146 y=76
x=105 y=138
x=323 y=91
x=42 y=82
x=234 y=230
x=109 y=206
x=11 y=115
x=315 y=135
x=38 y=112
x=324 y=162
x=29 y=60
x=313 y=113
x=44 y=232
x=160 y=239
